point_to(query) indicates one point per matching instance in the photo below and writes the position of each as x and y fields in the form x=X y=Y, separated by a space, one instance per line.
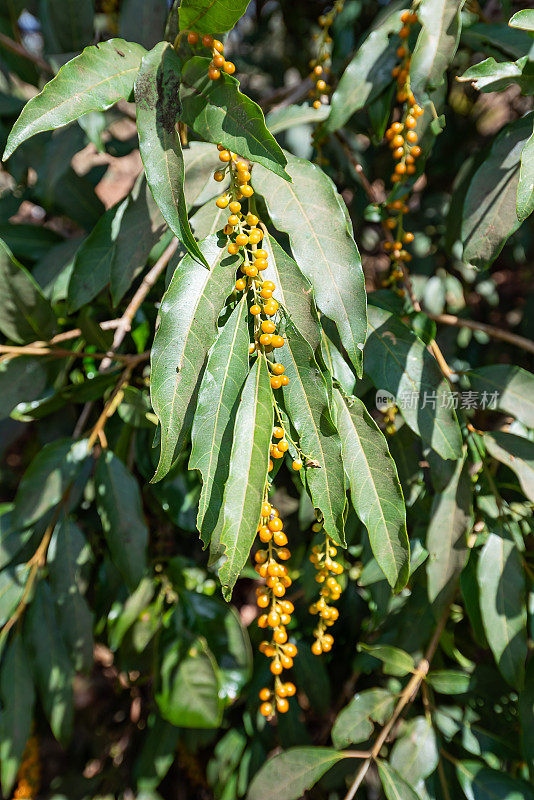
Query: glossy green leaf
x=354 y=724
x=446 y=540
x=494 y=76
x=436 y=44
x=18 y=698
x=208 y=220
x=448 y=681
x=247 y=475
x=396 y=661
x=219 y=113
x=205 y=16
x=292 y=773
x=213 y=425
x=415 y=753
x=12 y=584
x=93 y=81
x=281 y=119
x=67 y=24
x=132 y=609
x=67 y=554
x=394 y=785
x=489 y=214
x=188 y=693
x=375 y=489
x=479 y=782
x=523 y=19
x=143 y=22
x=396 y=360
x=188 y=327
x=517 y=453
x=306 y=402
x=369 y=71
x=25 y=313
x=501 y=582
x=50 y=662
x=496 y=38
x=158 y=105
x=525 y=187
x=326 y=254
x=293 y=291
x=22 y=380
x=507 y=388
x=119 y=506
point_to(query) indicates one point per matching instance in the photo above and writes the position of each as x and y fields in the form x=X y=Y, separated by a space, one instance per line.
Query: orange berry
x=267 y=326
x=404 y=32
x=275 y=524
x=207 y=40
x=263 y=600
x=255 y=310
x=233 y=249
x=261 y=263
x=235 y=207
x=297 y=465
x=316 y=648
x=415 y=151
x=278 y=341
x=265 y=509
x=282 y=705
x=276 y=383
x=240 y=284
x=397 y=141
x=266 y=709
x=411 y=136
x=213 y=73
x=285 y=380
x=276 y=667
x=264 y=693
x=246 y=190
x=280 y=636
x=278 y=433
x=192 y=37
x=229 y=67
x=408 y=238
x=280 y=539
x=278 y=369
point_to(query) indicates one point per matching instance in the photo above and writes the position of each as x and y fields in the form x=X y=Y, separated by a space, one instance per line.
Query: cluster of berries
x=322 y=557
x=320 y=66
x=218 y=61
x=276 y=611
x=29 y=774
x=388 y=418
x=281 y=446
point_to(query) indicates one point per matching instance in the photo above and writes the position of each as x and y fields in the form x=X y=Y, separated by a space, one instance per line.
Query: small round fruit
x=297 y=465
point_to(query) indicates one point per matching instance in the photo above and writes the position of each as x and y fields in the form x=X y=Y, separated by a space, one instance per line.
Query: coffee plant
x=267 y=424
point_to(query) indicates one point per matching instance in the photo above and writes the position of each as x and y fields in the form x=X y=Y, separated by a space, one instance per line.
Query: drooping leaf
x=449 y=681
x=67 y=24
x=67 y=553
x=213 y=425
x=394 y=785
x=143 y=22
x=25 y=313
x=507 y=388
x=50 y=662
x=375 y=489
x=415 y=753
x=368 y=73
x=293 y=772
x=489 y=213
x=446 y=537
x=525 y=187
x=93 y=81
x=22 y=380
x=326 y=254
x=436 y=44
x=396 y=661
x=247 y=475
x=158 y=105
x=188 y=327
x=120 y=509
x=219 y=113
x=494 y=76
x=306 y=402
x=188 y=695
x=517 y=453
x=18 y=698
x=523 y=19
x=480 y=782
x=354 y=724
x=501 y=582
x=396 y=360
x=205 y=16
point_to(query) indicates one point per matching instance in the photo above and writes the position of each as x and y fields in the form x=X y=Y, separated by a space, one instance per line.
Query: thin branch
x=19 y=50
x=57 y=352
x=491 y=330
x=109 y=408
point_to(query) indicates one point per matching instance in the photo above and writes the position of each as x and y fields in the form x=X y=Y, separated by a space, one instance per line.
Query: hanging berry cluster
x=29 y=774
x=322 y=557
x=218 y=61
x=403 y=140
x=320 y=66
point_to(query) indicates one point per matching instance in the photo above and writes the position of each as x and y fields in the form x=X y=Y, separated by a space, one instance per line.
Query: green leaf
x=526 y=717
x=415 y=753
x=293 y=291
x=131 y=611
x=479 y=782
x=281 y=119
x=446 y=541
x=143 y=22
x=396 y=661
x=449 y=681
x=25 y=313
x=188 y=327
x=494 y=76
x=394 y=785
x=368 y=73
x=503 y=603
x=157 y=754
x=496 y=39
x=47 y=478
x=67 y=554
x=525 y=187
x=158 y=105
x=292 y=773
x=67 y=24
x=50 y=662
x=208 y=220
x=396 y=360
x=201 y=160
x=517 y=453
x=354 y=724
x=523 y=19
x=375 y=489
x=188 y=694
x=326 y=254
x=213 y=425
x=18 y=698
x=436 y=44
x=12 y=584
x=307 y=404
x=93 y=81
x=119 y=506
x=22 y=380
x=489 y=214
x=507 y=388
x=247 y=475
x=219 y=113
x=205 y=16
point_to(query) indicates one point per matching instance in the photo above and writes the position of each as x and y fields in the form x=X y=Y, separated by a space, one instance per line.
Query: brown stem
x=491 y=330
x=15 y=47
x=109 y=408
x=57 y=352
